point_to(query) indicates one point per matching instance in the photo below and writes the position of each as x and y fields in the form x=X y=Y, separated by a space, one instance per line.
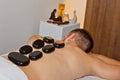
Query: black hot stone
x=18 y=58
x=38 y=44
x=48 y=48
x=35 y=55
x=58 y=44
x=25 y=49
x=48 y=39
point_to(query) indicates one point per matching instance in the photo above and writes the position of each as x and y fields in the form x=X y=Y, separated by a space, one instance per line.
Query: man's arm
x=106 y=71
x=106 y=59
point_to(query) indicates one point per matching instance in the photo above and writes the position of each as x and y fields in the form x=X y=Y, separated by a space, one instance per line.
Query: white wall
x=19 y=19
x=79 y=6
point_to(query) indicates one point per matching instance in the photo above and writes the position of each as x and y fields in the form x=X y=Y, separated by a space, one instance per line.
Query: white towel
x=90 y=78
x=9 y=71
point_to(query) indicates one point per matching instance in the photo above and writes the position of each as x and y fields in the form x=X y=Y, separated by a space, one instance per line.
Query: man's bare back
x=67 y=63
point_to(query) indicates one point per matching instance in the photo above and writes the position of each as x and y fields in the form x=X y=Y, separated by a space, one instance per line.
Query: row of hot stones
x=20 y=58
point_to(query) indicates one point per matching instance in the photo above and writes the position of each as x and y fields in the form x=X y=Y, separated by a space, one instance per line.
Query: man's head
x=81 y=38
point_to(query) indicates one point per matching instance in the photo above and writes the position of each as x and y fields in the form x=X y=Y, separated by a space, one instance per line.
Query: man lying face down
x=70 y=61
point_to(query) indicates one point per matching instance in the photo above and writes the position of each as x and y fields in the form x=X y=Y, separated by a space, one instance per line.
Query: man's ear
x=71 y=38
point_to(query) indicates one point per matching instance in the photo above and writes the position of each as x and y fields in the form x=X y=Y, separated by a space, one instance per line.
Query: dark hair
x=83 y=39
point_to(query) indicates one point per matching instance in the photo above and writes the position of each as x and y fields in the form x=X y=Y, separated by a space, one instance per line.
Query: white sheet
x=9 y=71
x=90 y=78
